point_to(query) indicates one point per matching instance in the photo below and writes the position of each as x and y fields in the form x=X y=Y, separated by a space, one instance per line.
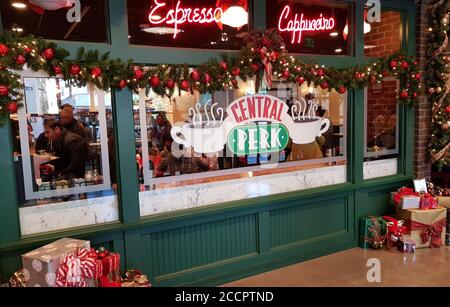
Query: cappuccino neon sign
x=297 y=25
x=180 y=15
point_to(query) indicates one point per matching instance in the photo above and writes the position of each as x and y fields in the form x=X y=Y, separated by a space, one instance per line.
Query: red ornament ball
x=234 y=82
x=404 y=94
x=170 y=84
x=57 y=70
x=300 y=80
x=206 y=78
x=358 y=75
x=223 y=65
x=48 y=54
x=27 y=49
x=96 y=72
x=393 y=64
x=414 y=95
x=285 y=74
x=184 y=85
x=3 y=49
x=255 y=67
x=274 y=56
x=155 y=81
x=235 y=71
x=195 y=75
x=447 y=109
x=20 y=60
x=138 y=73
x=4 y=90
x=74 y=69
x=12 y=107
x=324 y=85
x=342 y=89
x=320 y=72
x=121 y=84
x=405 y=65
x=417 y=76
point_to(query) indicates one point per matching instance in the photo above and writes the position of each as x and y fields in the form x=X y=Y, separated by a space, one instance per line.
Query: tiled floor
x=427 y=267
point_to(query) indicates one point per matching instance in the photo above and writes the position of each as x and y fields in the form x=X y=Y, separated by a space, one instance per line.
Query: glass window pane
x=212 y=24
x=383 y=38
x=63 y=143
x=49 y=19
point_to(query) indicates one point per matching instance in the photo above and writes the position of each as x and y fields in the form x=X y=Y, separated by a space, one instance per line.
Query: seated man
x=71 y=149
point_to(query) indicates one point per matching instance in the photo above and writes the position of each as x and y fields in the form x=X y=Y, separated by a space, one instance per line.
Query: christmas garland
x=263 y=56
x=436 y=79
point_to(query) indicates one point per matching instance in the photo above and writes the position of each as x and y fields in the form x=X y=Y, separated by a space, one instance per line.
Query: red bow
x=393 y=227
x=404 y=192
x=433 y=231
x=75 y=269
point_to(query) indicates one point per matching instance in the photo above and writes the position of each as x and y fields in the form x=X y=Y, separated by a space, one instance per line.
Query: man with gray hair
x=70 y=123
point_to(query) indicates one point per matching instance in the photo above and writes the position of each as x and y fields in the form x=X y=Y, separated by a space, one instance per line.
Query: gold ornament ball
x=439 y=90
x=444 y=21
x=444 y=126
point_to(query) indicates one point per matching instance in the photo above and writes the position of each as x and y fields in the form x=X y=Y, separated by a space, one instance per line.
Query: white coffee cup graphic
x=204 y=138
x=306 y=127
x=305 y=132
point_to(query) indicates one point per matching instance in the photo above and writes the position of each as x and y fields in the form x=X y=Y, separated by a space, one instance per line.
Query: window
x=311 y=27
x=52 y=19
x=210 y=24
x=173 y=152
x=383 y=38
x=63 y=143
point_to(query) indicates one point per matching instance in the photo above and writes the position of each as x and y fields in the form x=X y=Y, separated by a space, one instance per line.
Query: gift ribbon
x=393 y=227
x=377 y=239
x=404 y=192
x=267 y=62
x=75 y=269
x=433 y=231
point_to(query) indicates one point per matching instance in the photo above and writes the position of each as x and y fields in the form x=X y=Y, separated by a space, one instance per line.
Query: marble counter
x=172 y=199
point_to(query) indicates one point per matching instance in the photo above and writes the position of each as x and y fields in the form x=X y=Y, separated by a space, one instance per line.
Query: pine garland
x=436 y=79
x=260 y=49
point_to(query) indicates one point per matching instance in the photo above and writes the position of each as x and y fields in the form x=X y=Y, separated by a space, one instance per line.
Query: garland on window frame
x=264 y=55
x=438 y=83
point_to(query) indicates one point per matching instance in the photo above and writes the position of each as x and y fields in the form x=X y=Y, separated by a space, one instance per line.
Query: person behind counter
x=72 y=151
x=70 y=123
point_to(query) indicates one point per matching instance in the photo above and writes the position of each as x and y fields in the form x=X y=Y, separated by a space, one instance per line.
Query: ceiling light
x=235 y=17
x=338 y=50
x=334 y=34
x=19 y=5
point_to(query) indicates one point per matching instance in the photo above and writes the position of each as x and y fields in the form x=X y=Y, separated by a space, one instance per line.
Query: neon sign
x=298 y=25
x=181 y=15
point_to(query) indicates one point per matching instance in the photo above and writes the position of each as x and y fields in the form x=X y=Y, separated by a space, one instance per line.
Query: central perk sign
x=255 y=124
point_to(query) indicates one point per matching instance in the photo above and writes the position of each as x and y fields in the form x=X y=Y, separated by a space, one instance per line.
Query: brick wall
x=384 y=35
x=422 y=164
x=381 y=106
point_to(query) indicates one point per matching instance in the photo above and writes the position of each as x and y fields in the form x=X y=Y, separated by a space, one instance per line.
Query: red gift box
x=427 y=201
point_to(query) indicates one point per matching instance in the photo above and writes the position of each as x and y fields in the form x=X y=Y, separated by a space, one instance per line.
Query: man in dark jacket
x=70 y=123
x=71 y=149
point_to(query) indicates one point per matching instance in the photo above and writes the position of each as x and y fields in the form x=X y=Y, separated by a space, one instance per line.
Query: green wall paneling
x=308 y=221
x=182 y=248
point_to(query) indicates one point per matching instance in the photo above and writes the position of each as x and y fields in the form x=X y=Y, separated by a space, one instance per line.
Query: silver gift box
x=40 y=265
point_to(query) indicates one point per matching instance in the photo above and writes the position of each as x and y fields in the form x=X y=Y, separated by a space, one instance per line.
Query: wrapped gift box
x=410 y=202
x=445 y=202
x=40 y=265
x=425 y=227
x=373 y=231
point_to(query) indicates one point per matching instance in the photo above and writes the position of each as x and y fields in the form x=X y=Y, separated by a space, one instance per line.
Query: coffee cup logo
x=204 y=136
x=306 y=124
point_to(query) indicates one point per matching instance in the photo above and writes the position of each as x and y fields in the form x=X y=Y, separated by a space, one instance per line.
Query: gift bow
x=404 y=192
x=75 y=269
x=432 y=231
x=393 y=227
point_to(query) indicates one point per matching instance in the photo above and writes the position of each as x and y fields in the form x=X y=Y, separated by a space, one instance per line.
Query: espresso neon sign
x=181 y=15
x=297 y=25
